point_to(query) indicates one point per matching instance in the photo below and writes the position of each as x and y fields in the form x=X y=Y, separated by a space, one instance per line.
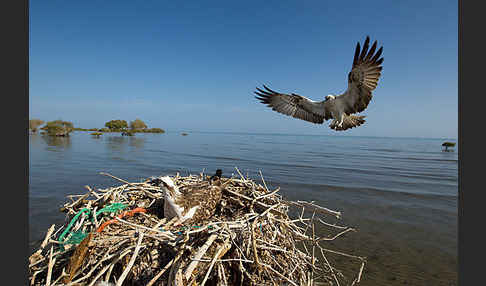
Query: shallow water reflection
x=56 y=141
x=121 y=143
x=399 y=193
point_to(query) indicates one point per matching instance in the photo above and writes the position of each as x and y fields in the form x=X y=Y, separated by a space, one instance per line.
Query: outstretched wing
x=362 y=79
x=294 y=105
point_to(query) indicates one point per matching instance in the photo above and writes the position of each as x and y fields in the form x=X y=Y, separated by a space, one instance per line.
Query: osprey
x=190 y=203
x=362 y=80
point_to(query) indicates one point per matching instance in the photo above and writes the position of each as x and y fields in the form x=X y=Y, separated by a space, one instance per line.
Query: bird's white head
x=169 y=188
x=330 y=96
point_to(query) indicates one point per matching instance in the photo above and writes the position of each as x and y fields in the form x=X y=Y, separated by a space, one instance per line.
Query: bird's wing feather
x=362 y=79
x=294 y=105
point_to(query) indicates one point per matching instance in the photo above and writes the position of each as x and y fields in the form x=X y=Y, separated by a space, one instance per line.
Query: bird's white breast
x=171 y=209
x=331 y=107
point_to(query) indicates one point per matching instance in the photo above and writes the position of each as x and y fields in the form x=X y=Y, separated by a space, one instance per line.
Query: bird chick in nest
x=216 y=175
x=192 y=203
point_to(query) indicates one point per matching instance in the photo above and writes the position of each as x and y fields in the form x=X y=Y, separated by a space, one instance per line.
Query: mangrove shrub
x=59 y=128
x=116 y=125
x=137 y=124
x=34 y=124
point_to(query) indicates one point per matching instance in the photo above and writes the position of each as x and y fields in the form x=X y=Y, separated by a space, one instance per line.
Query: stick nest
x=250 y=240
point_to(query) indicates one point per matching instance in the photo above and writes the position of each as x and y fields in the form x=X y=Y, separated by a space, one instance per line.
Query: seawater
x=399 y=193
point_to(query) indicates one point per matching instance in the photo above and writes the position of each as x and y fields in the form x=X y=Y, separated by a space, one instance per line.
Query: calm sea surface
x=399 y=193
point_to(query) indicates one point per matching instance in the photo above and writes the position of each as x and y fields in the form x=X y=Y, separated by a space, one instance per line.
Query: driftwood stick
x=342 y=253
x=76 y=203
x=112 y=264
x=199 y=254
x=95 y=218
x=63 y=274
x=156 y=277
x=311 y=276
x=226 y=260
x=49 y=269
x=116 y=178
x=223 y=276
x=268 y=195
x=317 y=208
x=242 y=177
x=48 y=236
x=257 y=202
x=279 y=274
x=263 y=180
x=178 y=280
x=253 y=240
x=330 y=267
x=176 y=259
x=131 y=262
x=166 y=234
x=357 y=280
x=99 y=275
x=337 y=235
x=161 y=222
x=36 y=257
x=33 y=276
x=332 y=225
x=218 y=254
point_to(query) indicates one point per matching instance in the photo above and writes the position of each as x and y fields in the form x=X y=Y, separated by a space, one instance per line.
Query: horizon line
x=301 y=134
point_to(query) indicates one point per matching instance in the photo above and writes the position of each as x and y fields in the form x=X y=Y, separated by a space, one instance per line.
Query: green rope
x=113 y=208
x=77 y=237
x=61 y=237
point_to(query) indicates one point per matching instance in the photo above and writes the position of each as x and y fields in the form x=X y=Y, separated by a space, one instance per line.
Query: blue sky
x=193 y=65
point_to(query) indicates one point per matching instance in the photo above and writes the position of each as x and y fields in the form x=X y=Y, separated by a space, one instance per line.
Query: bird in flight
x=362 y=80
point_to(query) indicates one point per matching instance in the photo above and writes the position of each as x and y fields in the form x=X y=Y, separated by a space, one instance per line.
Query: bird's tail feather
x=349 y=121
